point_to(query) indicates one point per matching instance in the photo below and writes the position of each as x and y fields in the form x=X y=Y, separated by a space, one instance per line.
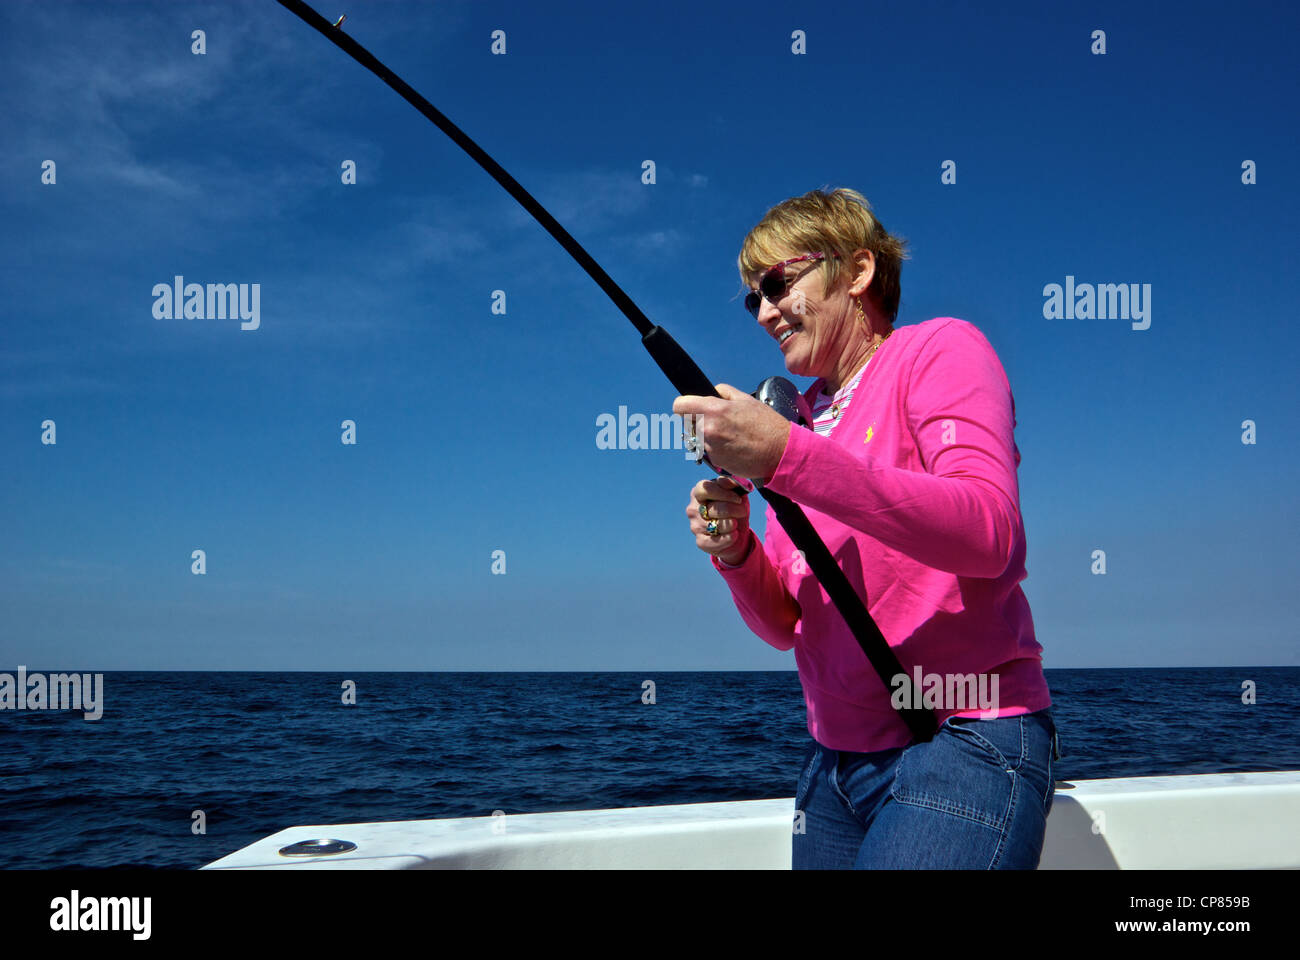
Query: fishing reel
x=783 y=397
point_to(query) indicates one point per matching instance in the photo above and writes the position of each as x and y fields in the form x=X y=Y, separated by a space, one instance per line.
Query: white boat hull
x=1213 y=821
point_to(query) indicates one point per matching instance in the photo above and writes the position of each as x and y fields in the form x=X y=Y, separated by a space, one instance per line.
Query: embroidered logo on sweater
x=871 y=432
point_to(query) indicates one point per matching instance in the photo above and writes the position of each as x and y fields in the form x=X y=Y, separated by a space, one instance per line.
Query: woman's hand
x=741 y=435
x=717 y=500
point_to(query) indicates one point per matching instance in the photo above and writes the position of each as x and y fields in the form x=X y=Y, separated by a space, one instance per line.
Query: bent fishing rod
x=677 y=365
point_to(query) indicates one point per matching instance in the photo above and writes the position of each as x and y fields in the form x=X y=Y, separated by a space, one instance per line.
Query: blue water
x=261 y=752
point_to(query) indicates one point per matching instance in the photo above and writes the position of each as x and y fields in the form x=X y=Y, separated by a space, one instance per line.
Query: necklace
x=839 y=403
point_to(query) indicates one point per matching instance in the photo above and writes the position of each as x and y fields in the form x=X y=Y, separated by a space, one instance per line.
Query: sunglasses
x=773 y=284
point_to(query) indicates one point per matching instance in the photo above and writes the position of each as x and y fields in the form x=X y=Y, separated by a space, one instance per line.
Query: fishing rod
x=676 y=364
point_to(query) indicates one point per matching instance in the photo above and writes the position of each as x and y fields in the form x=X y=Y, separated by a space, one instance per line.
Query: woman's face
x=822 y=326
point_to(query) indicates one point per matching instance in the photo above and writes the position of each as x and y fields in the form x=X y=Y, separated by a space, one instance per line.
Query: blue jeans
x=976 y=797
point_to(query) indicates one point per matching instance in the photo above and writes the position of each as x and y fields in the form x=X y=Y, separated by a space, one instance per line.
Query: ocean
x=258 y=752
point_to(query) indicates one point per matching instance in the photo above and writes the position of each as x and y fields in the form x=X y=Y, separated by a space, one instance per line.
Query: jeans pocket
x=1022 y=744
x=1053 y=754
x=1050 y=792
x=1000 y=738
x=811 y=755
x=960 y=773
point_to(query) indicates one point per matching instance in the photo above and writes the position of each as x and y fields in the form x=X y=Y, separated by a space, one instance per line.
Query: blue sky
x=476 y=431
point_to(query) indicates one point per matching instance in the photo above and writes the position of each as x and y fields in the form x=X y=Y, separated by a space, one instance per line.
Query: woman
x=910 y=479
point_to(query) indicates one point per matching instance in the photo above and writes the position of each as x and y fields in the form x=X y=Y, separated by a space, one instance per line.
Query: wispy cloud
x=653 y=242
x=590 y=201
x=121 y=100
x=89 y=83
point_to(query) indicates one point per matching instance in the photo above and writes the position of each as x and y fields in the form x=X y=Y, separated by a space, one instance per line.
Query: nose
x=768 y=314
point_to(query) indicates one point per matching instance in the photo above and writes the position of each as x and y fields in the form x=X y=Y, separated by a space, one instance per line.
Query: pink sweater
x=915 y=494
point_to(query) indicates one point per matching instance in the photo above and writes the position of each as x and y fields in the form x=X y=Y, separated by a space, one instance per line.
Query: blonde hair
x=838 y=222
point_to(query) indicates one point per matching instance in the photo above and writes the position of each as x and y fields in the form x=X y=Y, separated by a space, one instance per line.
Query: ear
x=866 y=261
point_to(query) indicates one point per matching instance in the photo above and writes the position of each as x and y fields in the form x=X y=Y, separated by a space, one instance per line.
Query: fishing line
x=677 y=365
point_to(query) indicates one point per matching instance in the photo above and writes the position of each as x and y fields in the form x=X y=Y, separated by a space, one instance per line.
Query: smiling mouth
x=790 y=332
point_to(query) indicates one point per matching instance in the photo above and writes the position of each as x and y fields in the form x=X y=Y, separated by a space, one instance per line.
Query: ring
x=704 y=511
x=712 y=528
